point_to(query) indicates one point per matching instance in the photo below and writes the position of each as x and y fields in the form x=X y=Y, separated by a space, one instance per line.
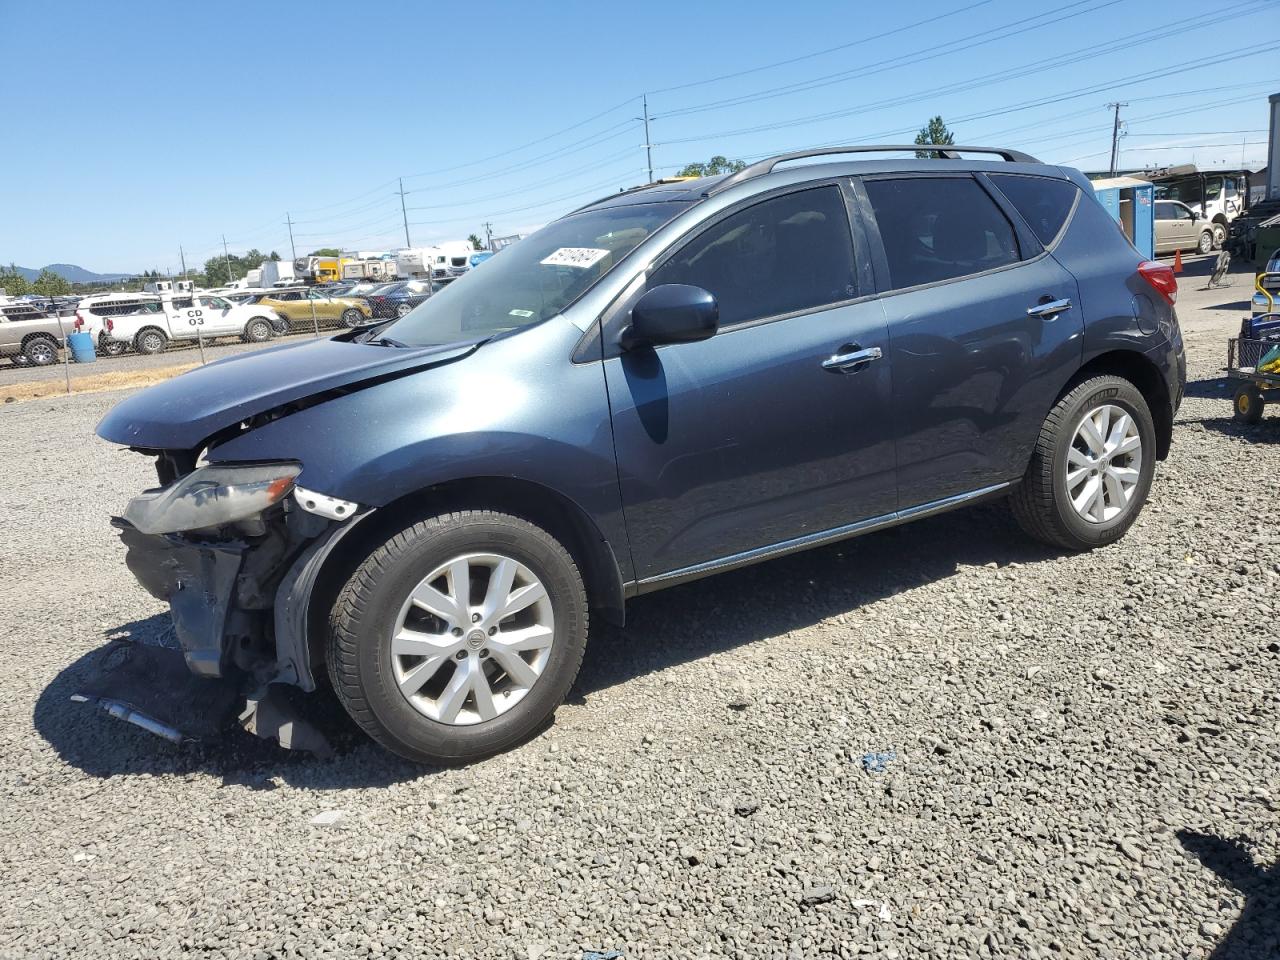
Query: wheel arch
x=531 y=501
x=39 y=335
x=1142 y=373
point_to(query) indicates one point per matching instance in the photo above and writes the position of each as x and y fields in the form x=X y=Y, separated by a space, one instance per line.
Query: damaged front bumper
x=239 y=596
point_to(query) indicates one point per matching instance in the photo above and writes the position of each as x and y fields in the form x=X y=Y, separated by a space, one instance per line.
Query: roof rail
x=945 y=151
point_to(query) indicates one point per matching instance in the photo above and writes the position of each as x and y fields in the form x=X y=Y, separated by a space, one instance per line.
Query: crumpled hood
x=183 y=412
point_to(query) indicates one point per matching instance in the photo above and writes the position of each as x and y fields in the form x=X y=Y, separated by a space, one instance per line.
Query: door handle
x=1050 y=309
x=853 y=361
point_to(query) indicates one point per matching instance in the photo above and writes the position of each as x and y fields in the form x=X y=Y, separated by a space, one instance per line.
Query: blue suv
x=675 y=380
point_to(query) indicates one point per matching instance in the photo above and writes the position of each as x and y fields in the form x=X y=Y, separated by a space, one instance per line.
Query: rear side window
x=785 y=255
x=939 y=229
x=1044 y=203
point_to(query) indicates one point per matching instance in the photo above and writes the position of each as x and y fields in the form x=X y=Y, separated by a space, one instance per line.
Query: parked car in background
x=29 y=334
x=153 y=328
x=299 y=307
x=397 y=299
x=673 y=381
x=1179 y=228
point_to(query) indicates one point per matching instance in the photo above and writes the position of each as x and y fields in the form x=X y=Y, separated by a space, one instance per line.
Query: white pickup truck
x=155 y=321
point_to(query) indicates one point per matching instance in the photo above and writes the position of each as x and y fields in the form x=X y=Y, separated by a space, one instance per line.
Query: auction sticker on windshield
x=576 y=257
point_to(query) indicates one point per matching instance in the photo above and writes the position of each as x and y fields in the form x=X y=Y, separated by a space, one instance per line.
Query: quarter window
x=939 y=229
x=1044 y=203
x=785 y=255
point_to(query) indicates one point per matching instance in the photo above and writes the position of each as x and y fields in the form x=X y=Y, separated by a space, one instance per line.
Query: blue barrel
x=82 y=350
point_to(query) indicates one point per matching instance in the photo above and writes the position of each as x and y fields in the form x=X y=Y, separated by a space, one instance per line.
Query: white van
x=152 y=321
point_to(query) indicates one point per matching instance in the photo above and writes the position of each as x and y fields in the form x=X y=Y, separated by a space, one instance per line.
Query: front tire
x=1091 y=468
x=459 y=636
x=1206 y=242
x=1219 y=236
x=257 y=330
x=40 y=351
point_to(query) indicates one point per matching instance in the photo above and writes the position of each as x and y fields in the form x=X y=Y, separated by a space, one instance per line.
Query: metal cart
x=1259 y=336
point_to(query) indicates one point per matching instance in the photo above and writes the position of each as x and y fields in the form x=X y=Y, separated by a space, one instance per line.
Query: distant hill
x=73 y=273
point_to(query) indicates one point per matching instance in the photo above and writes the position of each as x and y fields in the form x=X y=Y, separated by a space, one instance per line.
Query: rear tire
x=150 y=340
x=1045 y=503
x=372 y=673
x=352 y=317
x=111 y=348
x=1248 y=405
x=40 y=350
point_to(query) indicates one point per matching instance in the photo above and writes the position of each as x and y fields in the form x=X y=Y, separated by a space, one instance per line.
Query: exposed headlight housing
x=211 y=496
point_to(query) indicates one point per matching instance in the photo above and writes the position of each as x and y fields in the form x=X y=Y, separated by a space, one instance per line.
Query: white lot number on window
x=195 y=317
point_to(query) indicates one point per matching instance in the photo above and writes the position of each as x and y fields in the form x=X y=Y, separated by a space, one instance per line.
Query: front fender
x=516 y=408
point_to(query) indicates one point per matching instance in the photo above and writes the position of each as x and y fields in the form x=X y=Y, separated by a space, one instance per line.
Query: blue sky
x=153 y=125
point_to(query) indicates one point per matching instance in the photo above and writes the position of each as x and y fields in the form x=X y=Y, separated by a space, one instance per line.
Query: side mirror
x=672 y=313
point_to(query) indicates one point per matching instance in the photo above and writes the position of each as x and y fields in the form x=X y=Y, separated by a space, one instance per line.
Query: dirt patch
x=95 y=383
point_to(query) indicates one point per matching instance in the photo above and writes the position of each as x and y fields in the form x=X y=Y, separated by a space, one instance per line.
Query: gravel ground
x=1085 y=750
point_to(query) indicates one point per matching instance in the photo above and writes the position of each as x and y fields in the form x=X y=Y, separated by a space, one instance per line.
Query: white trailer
x=277 y=273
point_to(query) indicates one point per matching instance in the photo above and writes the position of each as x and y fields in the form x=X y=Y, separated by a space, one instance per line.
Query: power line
x=821 y=53
x=908 y=59
x=1025 y=105
x=503 y=213
x=558 y=178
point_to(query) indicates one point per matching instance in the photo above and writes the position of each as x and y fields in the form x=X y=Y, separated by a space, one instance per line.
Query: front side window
x=536 y=278
x=939 y=229
x=1166 y=211
x=784 y=255
x=1044 y=203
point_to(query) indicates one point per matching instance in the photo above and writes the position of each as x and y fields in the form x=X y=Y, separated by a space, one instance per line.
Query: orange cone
x=1177 y=262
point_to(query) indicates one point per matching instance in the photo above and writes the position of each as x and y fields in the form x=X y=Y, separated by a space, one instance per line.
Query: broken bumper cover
x=197 y=580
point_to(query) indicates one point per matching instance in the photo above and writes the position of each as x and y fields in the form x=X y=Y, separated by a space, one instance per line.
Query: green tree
x=935 y=131
x=12 y=282
x=326 y=252
x=275 y=257
x=713 y=167
x=50 y=284
x=215 y=270
x=476 y=242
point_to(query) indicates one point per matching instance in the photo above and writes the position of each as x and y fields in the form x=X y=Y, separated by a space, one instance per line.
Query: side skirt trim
x=759 y=554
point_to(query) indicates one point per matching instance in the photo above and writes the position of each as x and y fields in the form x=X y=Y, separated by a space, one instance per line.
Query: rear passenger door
x=984 y=325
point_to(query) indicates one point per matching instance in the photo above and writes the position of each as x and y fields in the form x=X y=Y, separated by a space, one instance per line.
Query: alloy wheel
x=1104 y=463
x=472 y=638
x=41 y=352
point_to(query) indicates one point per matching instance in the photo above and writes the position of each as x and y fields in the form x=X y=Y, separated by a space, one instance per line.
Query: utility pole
x=648 y=146
x=403 y=214
x=227 y=257
x=488 y=236
x=182 y=255
x=292 y=249
x=1115 y=137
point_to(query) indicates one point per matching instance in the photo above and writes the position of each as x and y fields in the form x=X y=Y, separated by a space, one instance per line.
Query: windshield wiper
x=388 y=342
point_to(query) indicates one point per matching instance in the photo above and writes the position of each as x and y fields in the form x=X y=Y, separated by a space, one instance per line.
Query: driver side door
x=754 y=442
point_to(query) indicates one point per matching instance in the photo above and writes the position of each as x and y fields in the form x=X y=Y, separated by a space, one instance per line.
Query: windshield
x=534 y=279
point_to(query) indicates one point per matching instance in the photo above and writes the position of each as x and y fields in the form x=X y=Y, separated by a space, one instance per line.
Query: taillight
x=79 y=321
x=110 y=326
x=1162 y=278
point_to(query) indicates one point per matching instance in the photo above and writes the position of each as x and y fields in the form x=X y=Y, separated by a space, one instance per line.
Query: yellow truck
x=320 y=269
